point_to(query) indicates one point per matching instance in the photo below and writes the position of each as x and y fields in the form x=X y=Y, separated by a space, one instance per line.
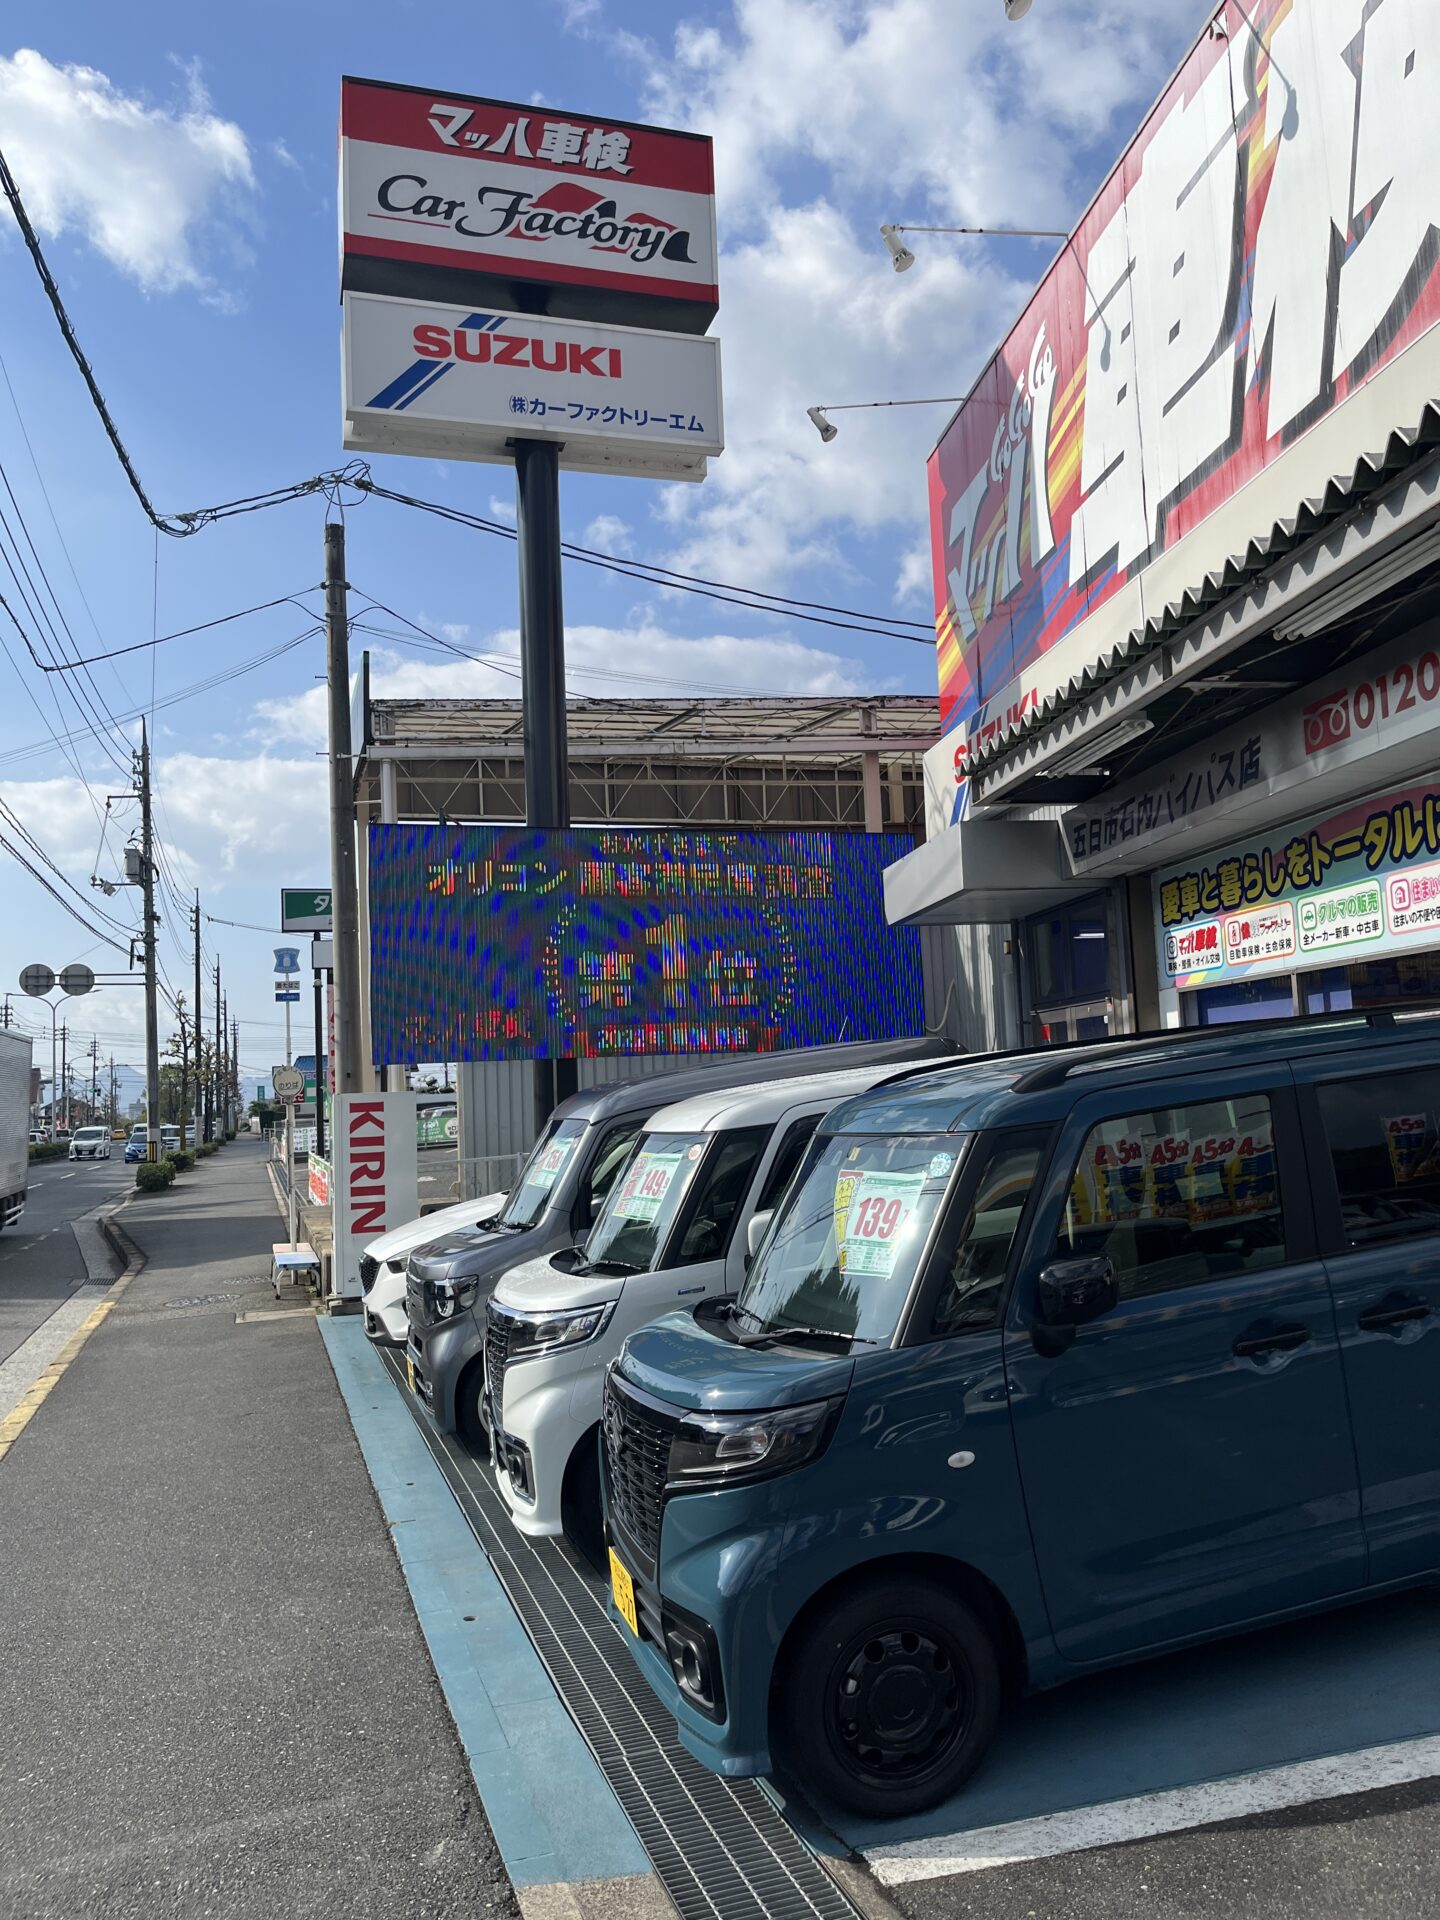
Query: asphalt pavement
x=41 y=1263
x=214 y=1693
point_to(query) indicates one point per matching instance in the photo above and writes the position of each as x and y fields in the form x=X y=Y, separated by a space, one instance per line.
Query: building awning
x=982 y=873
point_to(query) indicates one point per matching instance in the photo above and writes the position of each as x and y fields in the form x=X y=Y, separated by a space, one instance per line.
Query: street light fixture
x=827 y=429
x=902 y=257
x=1017 y=9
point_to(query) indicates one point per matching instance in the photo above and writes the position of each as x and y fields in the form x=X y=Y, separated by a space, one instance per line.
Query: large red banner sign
x=446 y=196
x=1264 y=248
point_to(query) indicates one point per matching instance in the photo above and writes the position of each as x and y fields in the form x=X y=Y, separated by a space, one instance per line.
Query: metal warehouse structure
x=846 y=763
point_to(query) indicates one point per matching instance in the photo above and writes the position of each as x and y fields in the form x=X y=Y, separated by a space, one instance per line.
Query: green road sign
x=305 y=910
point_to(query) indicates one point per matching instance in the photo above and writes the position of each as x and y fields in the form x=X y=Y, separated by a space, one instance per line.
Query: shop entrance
x=1089 y=1020
x=1077 y=971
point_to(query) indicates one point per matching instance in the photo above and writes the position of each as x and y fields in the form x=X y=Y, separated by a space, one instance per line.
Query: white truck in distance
x=14 y=1124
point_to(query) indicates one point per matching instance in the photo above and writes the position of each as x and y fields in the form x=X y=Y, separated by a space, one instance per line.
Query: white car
x=676 y=1228
x=90 y=1143
x=382 y=1264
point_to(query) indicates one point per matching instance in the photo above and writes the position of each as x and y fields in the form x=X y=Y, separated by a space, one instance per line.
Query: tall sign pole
x=343 y=881
x=542 y=669
x=199 y=1022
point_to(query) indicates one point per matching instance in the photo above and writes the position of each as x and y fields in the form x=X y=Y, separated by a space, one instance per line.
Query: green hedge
x=152 y=1176
x=205 y=1149
x=183 y=1160
x=51 y=1150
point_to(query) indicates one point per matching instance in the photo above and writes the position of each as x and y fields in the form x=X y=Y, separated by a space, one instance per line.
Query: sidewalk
x=214 y=1694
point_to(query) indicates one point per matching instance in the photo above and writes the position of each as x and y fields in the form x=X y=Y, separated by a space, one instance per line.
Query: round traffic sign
x=76 y=978
x=37 y=980
x=288 y=1082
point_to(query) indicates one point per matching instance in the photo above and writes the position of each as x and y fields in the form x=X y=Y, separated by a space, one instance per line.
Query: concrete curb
x=134 y=1258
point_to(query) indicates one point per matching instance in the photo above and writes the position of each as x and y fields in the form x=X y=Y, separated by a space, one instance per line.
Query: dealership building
x=1186 y=548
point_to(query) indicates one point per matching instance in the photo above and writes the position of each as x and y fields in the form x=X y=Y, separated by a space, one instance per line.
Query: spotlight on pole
x=899 y=252
x=1017 y=9
x=826 y=429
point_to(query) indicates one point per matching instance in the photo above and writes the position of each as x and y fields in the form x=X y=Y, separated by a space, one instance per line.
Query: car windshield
x=549 y=1158
x=92 y=1133
x=844 y=1250
x=642 y=1204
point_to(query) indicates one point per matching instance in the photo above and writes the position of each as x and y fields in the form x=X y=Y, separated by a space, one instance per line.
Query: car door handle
x=1278 y=1340
x=1393 y=1311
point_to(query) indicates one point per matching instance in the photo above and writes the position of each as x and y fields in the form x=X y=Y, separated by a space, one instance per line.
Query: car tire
x=581 y=1513
x=891 y=1698
x=469 y=1415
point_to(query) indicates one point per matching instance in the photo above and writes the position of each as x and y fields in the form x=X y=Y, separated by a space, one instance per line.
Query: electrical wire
x=179 y=525
x=59 y=898
x=36 y=748
x=755 y=600
x=185 y=633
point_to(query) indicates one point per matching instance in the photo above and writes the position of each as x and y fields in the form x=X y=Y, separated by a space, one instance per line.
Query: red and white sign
x=445 y=196
x=1194 y=949
x=463 y=383
x=373 y=1185
x=1266 y=933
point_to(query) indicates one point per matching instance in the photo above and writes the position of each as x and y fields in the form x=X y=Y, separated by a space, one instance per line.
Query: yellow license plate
x=623 y=1588
x=410 y=1374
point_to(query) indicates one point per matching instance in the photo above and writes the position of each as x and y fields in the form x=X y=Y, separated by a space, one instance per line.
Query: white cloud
x=829 y=117
x=502 y=509
x=914 y=579
x=601 y=662
x=608 y=533
x=141 y=183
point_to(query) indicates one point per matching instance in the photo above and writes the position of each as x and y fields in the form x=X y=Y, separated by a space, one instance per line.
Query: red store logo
x=1327 y=722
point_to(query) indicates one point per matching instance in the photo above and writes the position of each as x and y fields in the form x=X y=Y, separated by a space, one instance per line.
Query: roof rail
x=1054 y=1073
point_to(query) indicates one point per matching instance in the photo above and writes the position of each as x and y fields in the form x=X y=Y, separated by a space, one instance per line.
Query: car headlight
x=728 y=1449
x=454 y=1296
x=532 y=1333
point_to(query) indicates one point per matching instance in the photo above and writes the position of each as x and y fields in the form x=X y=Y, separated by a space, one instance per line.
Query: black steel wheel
x=470 y=1410
x=892 y=1698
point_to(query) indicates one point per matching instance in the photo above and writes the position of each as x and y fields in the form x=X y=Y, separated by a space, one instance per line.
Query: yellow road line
x=16 y=1421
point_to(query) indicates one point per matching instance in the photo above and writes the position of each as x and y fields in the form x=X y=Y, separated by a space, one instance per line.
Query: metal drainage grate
x=721 y=1850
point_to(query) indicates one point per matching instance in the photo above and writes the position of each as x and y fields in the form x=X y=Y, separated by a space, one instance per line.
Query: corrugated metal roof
x=1342 y=494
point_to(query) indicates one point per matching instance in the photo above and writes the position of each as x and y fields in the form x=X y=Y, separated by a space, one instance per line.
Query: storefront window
x=1242 y=1000
x=1088 y=955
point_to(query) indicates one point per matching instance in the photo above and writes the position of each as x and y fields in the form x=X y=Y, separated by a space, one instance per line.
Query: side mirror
x=1073 y=1291
x=755 y=1232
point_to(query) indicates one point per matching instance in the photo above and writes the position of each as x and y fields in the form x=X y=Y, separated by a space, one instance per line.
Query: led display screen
x=508 y=943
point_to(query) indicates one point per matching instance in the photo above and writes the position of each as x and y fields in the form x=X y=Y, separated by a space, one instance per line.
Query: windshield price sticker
x=646 y=1186
x=876 y=1215
x=550 y=1165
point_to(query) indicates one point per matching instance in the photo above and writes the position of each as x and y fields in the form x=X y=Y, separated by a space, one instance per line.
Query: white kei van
x=676 y=1226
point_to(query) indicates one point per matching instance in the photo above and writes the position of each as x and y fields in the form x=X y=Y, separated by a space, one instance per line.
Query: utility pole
x=114 y=1095
x=195 y=926
x=64 y=1080
x=224 y=1045
x=345 y=903
x=95 y=1077
x=542 y=679
x=215 y=1057
x=235 y=1071
x=152 y=1012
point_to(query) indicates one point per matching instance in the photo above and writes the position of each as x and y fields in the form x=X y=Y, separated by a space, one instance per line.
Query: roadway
x=41 y=1263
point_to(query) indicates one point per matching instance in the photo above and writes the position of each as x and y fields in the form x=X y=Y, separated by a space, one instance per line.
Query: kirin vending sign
x=446 y=197
x=1266 y=248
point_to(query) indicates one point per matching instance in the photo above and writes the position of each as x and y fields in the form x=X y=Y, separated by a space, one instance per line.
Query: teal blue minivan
x=1046 y=1362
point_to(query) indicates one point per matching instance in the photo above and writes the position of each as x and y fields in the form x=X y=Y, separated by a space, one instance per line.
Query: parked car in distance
x=137 y=1144
x=382 y=1264
x=555 y=1201
x=90 y=1143
x=169 y=1138
x=1049 y=1362
x=675 y=1226
x=38 y=1136
x=119 y=1133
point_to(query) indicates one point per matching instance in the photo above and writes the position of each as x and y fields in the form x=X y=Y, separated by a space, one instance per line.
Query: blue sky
x=180 y=163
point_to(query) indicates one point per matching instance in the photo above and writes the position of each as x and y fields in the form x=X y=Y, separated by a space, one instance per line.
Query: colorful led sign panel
x=508 y=943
